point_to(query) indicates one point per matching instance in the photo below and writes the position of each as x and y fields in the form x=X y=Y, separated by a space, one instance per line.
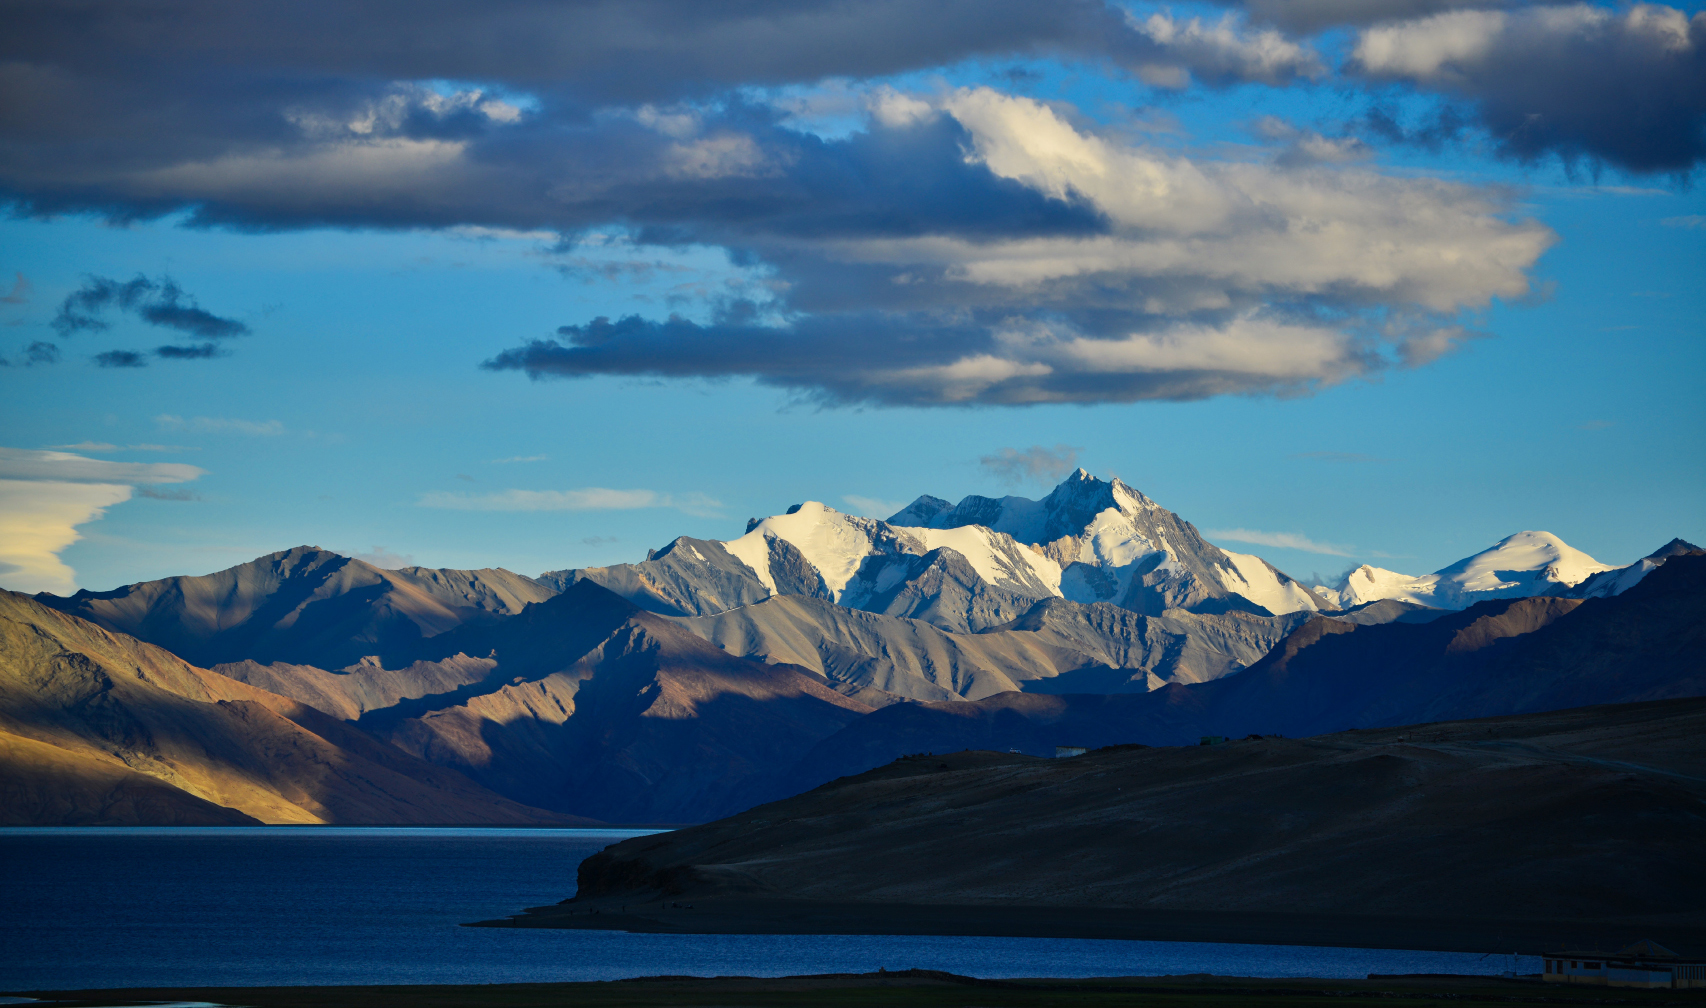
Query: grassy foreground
x=907 y=989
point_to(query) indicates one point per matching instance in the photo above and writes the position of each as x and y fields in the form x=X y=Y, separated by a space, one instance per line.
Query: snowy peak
x=1517 y=566
x=1113 y=544
x=1067 y=511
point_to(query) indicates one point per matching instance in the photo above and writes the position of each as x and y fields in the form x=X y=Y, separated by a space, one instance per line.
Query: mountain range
x=717 y=674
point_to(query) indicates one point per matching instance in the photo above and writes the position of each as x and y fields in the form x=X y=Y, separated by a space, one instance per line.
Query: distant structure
x=1212 y=740
x=1063 y=751
x=1643 y=964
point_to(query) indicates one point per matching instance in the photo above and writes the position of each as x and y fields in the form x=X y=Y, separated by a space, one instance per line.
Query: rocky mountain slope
x=1506 y=656
x=1113 y=544
x=100 y=728
x=302 y=605
x=1588 y=814
x=587 y=704
x=963 y=568
x=1056 y=646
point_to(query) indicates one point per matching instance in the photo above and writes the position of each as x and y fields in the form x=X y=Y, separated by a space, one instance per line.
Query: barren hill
x=1566 y=820
x=98 y=728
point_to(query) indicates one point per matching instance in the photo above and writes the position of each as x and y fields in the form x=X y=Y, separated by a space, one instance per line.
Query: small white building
x=1063 y=751
x=1643 y=964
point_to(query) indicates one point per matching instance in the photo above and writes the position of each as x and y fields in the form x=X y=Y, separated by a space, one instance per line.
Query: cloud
x=1688 y=221
x=521 y=458
x=1306 y=17
x=120 y=359
x=157 y=302
x=1043 y=465
x=1036 y=261
x=20 y=292
x=1624 y=87
x=41 y=353
x=167 y=495
x=1222 y=51
x=872 y=507
x=38 y=519
x=65 y=467
x=1281 y=540
x=1333 y=456
x=45 y=495
x=105 y=446
x=220 y=425
x=587 y=499
x=382 y=557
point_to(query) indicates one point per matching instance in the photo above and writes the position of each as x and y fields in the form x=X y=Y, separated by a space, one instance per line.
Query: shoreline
x=897 y=989
x=1423 y=934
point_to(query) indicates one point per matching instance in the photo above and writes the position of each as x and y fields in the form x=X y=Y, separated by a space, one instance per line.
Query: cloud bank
x=45 y=495
x=1040 y=262
x=953 y=248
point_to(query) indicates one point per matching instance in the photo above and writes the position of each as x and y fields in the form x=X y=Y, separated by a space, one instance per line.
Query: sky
x=545 y=285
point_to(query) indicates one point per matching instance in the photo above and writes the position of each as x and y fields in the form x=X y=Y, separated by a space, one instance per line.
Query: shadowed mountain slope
x=1584 y=814
x=588 y=704
x=100 y=728
x=303 y=606
x=1506 y=656
x=1055 y=647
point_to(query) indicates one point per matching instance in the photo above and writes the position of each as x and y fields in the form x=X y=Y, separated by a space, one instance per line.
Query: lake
x=91 y=908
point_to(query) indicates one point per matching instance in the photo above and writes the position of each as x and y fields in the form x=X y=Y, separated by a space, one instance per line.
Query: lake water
x=323 y=905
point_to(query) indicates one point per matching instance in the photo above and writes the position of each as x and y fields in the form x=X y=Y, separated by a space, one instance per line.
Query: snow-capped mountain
x=1518 y=566
x=1615 y=582
x=962 y=567
x=961 y=579
x=1113 y=544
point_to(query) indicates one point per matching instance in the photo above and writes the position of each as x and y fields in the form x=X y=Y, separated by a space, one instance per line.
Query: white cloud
x=26 y=464
x=1282 y=540
x=587 y=499
x=521 y=458
x=1224 y=49
x=45 y=495
x=220 y=425
x=872 y=507
x=1688 y=221
x=105 y=446
x=38 y=518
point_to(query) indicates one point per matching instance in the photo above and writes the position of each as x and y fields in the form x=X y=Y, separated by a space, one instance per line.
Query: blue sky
x=356 y=401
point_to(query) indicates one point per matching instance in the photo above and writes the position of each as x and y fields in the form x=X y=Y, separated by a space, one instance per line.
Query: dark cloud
x=198 y=351
x=158 y=302
x=20 y=293
x=41 y=353
x=960 y=247
x=1625 y=87
x=153 y=493
x=1036 y=463
x=120 y=359
x=1305 y=17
